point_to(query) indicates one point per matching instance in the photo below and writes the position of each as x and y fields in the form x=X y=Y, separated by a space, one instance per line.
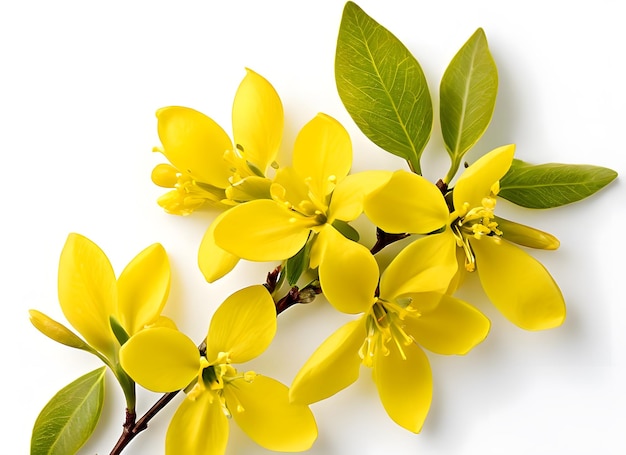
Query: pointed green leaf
x=69 y=418
x=120 y=333
x=382 y=86
x=550 y=185
x=297 y=264
x=468 y=97
x=346 y=230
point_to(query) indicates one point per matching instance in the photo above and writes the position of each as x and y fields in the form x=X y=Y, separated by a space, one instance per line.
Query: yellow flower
x=205 y=166
x=409 y=310
x=517 y=284
x=165 y=360
x=310 y=198
x=90 y=295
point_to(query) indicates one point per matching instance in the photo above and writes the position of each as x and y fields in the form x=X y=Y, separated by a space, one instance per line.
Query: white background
x=79 y=85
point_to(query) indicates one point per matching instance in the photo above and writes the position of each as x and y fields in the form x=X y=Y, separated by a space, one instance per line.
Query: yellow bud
x=57 y=331
x=165 y=175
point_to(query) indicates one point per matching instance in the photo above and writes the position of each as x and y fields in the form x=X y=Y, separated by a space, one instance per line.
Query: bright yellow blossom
x=308 y=200
x=517 y=284
x=90 y=295
x=408 y=309
x=165 y=360
x=205 y=166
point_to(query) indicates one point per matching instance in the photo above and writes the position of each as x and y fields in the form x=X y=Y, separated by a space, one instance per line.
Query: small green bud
x=526 y=235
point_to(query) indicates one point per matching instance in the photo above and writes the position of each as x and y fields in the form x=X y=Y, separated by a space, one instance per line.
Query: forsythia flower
x=310 y=200
x=90 y=295
x=517 y=284
x=165 y=360
x=205 y=167
x=407 y=310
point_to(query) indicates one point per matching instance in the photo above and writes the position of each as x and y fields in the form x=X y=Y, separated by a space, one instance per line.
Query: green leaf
x=552 y=185
x=382 y=86
x=297 y=264
x=120 y=333
x=69 y=418
x=346 y=230
x=468 y=97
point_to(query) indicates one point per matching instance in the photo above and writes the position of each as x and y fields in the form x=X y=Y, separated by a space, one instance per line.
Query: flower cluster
x=300 y=213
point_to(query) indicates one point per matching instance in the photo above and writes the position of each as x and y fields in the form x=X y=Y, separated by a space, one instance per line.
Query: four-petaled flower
x=311 y=200
x=408 y=309
x=205 y=166
x=517 y=284
x=165 y=360
x=90 y=296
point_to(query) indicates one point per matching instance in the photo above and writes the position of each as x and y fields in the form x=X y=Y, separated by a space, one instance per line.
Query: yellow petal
x=262 y=409
x=405 y=386
x=88 y=292
x=322 y=153
x=407 y=203
x=348 y=273
x=332 y=367
x=452 y=327
x=518 y=285
x=214 y=262
x=526 y=235
x=461 y=272
x=262 y=230
x=320 y=246
x=160 y=359
x=257 y=120
x=428 y=264
x=243 y=326
x=194 y=144
x=199 y=427
x=164 y=321
x=143 y=288
x=349 y=195
x=477 y=180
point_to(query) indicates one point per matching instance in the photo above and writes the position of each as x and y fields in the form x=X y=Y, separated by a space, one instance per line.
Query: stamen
x=470 y=260
x=489 y=203
x=249 y=376
x=366 y=351
x=384 y=325
x=195 y=392
x=222 y=357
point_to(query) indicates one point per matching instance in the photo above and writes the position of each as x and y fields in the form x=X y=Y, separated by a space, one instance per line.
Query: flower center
x=239 y=165
x=212 y=378
x=384 y=325
x=306 y=203
x=476 y=222
x=188 y=194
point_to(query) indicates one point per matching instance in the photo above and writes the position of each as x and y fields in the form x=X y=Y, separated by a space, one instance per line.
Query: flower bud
x=526 y=235
x=165 y=175
x=57 y=331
